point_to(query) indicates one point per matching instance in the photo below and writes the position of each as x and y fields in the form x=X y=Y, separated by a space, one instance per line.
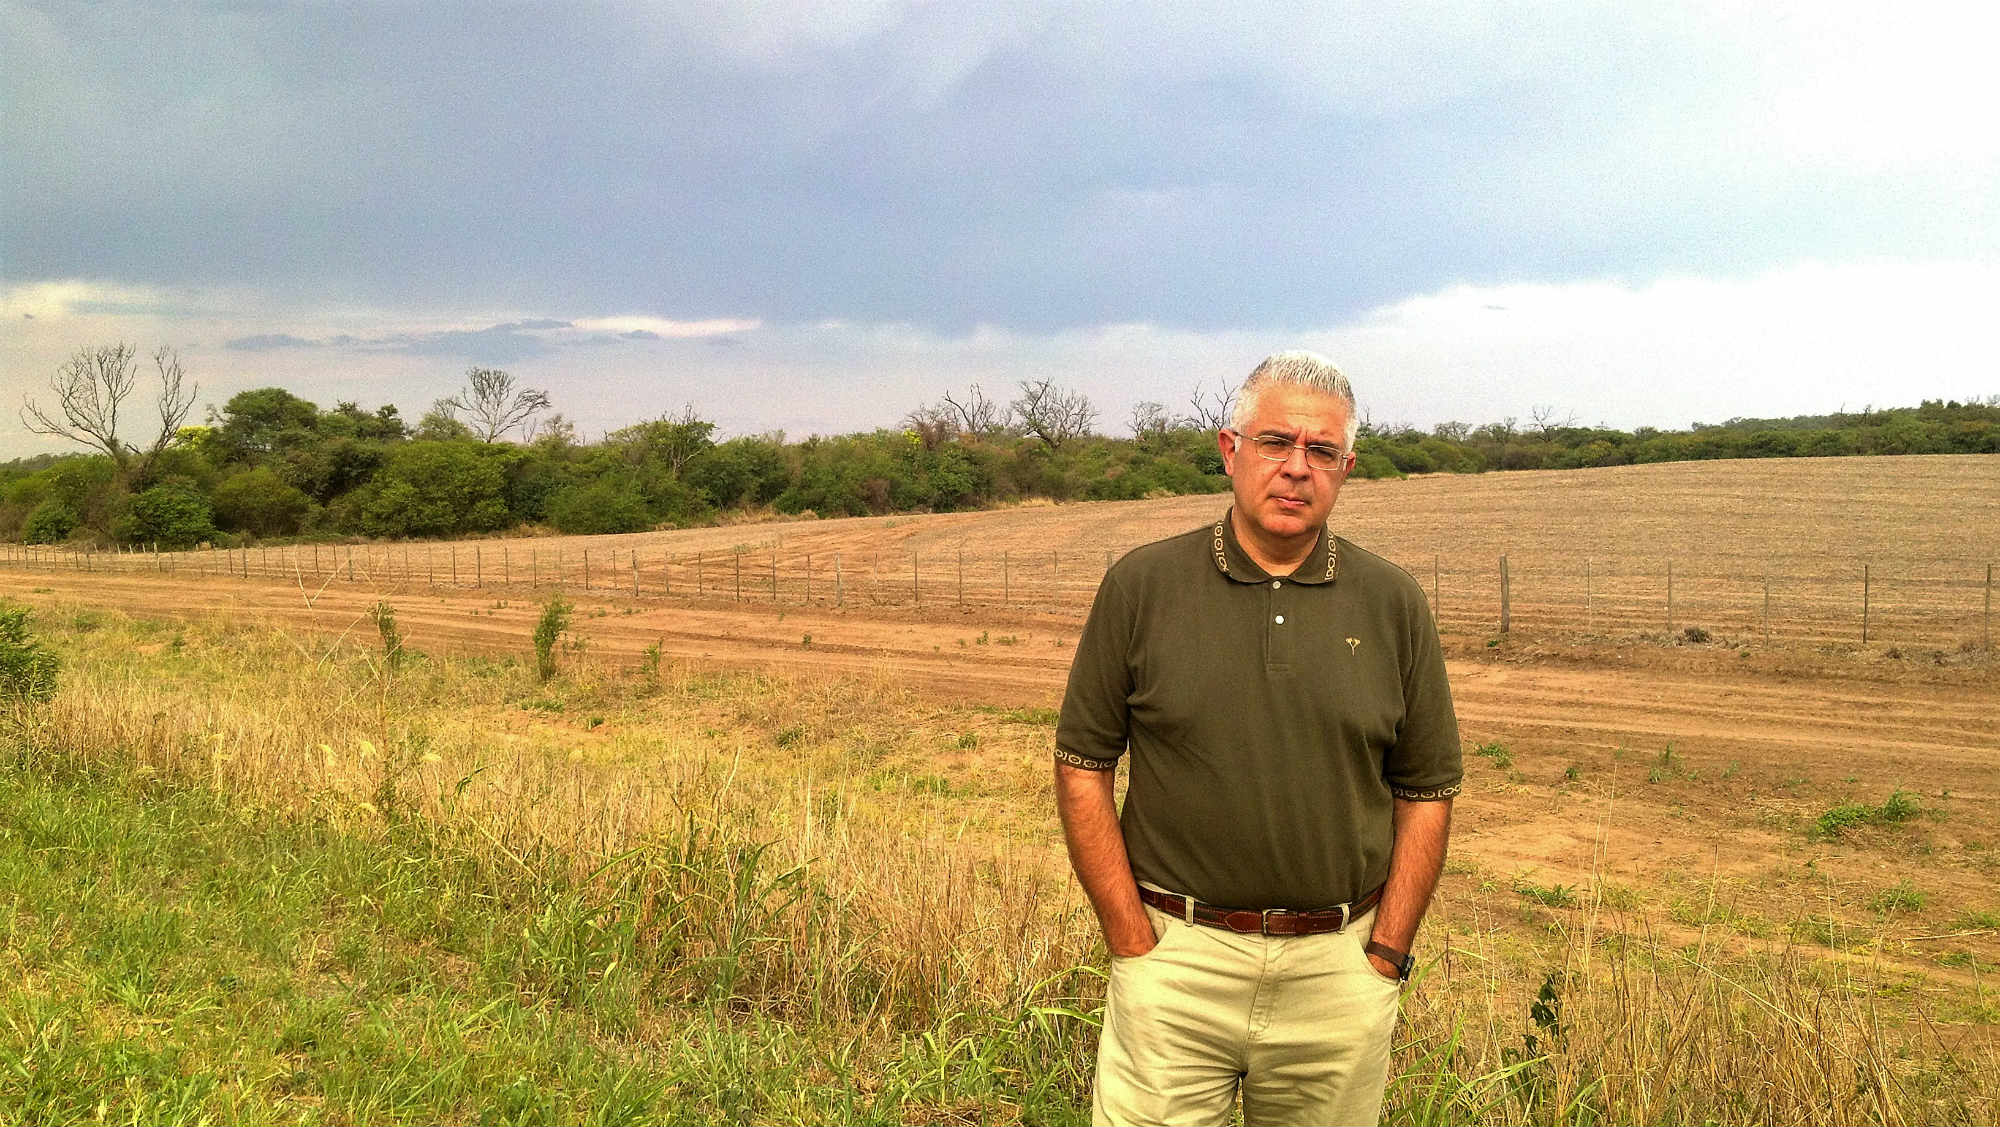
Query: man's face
x=1287 y=502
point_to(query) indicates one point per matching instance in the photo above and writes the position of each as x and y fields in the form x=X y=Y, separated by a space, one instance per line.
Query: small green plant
x=549 y=628
x=981 y=640
x=1899 y=897
x=1668 y=766
x=790 y=737
x=968 y=740
x=27 y=669
x=1571 y=773
x=392 y=639
x=1497 y=752
x=1007 y=640
x=1900 y=806
x=1549 y=896
x=806 y=641
x=649 y=661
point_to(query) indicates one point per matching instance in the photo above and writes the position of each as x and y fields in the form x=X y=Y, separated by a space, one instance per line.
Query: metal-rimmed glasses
x=1278 y=448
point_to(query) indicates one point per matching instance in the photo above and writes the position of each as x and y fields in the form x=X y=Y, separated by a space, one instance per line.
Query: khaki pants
x=1300 y=1023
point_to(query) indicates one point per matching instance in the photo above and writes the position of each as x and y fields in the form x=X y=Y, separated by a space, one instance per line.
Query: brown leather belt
x=1254 y=921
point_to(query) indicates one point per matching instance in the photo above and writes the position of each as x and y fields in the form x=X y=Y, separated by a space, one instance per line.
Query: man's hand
x=1415 y=859
x=1097 y=853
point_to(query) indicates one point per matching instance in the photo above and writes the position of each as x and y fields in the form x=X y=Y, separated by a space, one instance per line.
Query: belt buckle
x=1266 y=915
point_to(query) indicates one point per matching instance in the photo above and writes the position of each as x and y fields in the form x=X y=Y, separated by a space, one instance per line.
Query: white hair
x=1308 y=370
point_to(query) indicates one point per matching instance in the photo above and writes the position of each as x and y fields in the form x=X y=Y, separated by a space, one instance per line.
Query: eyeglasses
x=1278 y=448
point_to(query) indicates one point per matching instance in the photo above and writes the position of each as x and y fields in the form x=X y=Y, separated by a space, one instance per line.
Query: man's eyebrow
x=1291 y=436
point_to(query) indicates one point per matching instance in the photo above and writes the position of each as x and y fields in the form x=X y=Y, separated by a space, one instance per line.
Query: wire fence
x=1937 y=603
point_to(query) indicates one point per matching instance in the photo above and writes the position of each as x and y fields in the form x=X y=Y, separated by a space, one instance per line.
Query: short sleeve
x=1092 y=729
x=1426 y=764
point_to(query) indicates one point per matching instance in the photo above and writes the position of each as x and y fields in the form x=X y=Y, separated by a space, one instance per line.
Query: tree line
x=496 y=457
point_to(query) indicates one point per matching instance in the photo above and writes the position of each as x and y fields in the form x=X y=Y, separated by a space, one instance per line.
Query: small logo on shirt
x=1353 y=645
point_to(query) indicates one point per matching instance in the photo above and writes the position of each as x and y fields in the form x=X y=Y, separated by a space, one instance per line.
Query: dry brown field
x=1607 y=758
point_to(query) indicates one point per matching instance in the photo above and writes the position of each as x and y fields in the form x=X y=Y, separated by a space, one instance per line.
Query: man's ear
x=1226 y=443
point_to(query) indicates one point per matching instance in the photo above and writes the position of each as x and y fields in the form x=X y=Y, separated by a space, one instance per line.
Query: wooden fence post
x=586 y=569
x=1434 y=590
x=961 y=575
x=1670 y=596
x=837 y=591
x=698 y=588
x=916 y=586
x=1986 y=630
x=774 y=571
x=1506 y=605
x=809 y=579
x=739 y=575
x=350 y=563
x=635 y=573
x=506 y=571
x=1767 y=608
x=1589 y=605
x=1006 y=588
x=478 y=567
x=454 y=565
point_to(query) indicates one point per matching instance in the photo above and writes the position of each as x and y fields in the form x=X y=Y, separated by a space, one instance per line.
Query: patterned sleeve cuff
x=1085 y=761
x=1425 y=794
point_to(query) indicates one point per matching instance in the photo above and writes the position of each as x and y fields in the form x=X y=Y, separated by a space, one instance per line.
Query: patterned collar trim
x=1321 y=566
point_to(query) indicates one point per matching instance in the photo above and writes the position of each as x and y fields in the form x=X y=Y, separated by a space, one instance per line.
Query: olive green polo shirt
x=1270 y=719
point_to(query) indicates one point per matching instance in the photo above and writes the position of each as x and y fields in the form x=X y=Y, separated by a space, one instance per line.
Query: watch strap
x=1403 y=961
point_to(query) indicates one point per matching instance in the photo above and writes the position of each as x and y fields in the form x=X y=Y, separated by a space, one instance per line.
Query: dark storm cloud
x=1036 y=166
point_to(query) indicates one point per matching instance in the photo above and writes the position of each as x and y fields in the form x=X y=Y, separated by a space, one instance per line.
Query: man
x=1294 y=757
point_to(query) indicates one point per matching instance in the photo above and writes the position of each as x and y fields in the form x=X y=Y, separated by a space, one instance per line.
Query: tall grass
x=769 y=866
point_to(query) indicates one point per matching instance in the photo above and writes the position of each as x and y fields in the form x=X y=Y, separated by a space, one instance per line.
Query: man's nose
x=1294 y=464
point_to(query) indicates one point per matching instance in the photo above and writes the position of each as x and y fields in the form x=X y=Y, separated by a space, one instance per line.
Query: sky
x=814 y=215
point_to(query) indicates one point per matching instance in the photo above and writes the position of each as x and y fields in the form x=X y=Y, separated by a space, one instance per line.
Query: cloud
x=266 y=342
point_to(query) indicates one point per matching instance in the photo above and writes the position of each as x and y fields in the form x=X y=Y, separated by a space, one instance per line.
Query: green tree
x=437 y=489
x=260 y=502
x=602 y=506
x=50 y=522
x=173 y=514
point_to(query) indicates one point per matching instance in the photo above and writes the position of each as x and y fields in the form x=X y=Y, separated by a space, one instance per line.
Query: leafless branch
x=1053 y=413
x=91 y=387
x=1211 y=409
x=978 y=415
x=494 y=405
x=933 y=425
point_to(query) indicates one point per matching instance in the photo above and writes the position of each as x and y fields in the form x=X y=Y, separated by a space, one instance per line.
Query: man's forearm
x=1415 y=860
x=1089 y=813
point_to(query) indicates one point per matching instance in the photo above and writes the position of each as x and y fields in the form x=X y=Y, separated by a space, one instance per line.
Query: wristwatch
x=1403 y=961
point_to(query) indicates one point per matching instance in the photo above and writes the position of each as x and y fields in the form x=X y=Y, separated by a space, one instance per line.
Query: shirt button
x=1277 y=583
x=1280 y=620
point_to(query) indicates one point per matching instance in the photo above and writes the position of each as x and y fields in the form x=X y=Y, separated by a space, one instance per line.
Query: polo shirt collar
x=1320 y=565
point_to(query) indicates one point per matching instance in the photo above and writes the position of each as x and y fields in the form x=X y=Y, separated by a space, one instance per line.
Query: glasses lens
x=1322 y=457
x=1273 y=447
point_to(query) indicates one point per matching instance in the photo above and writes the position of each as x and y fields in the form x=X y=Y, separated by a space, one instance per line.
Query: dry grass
x=847 y=858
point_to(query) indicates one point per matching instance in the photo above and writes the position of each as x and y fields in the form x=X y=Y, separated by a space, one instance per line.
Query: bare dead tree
x=933 y=425
x=93 y=385
x=494 y=405
x=1546 y=421
x=1053 y=413
x=1211 y=409
x=1150 y=423
x=977 y=415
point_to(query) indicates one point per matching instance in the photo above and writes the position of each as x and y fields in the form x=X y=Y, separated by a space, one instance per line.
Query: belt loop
x=1187 y=909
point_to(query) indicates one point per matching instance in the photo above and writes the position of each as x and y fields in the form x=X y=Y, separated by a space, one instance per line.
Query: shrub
x=554 y=620
x=392 y=638
x=50 y=523
x=173 y=514
x=602 y=506
x=259 y=501
x=27 y=670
